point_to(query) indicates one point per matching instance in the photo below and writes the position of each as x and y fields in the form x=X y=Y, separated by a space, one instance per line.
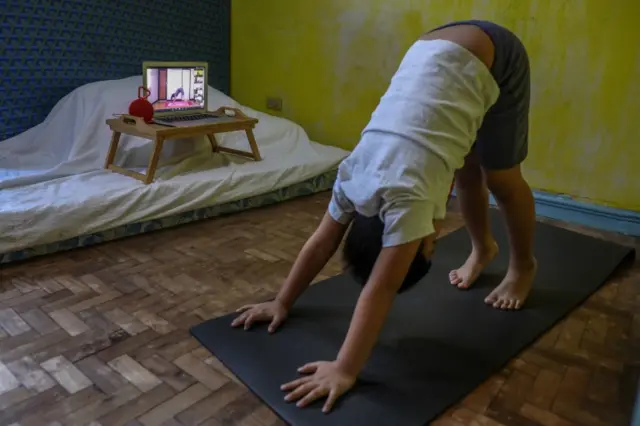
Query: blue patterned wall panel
x=50 y=47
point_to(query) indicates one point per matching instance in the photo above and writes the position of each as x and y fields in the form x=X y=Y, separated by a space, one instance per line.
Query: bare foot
x=466 y=275
x=514 y=288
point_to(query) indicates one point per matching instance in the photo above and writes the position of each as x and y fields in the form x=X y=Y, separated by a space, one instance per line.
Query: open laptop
x=178 y=93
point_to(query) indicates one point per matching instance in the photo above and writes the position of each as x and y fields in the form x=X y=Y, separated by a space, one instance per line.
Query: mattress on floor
x=319 y=183
x=55 y=194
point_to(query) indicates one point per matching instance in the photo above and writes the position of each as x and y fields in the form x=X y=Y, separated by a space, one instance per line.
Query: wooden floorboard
x=99 y=336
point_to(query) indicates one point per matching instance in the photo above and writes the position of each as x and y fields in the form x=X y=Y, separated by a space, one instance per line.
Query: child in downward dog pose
x=457 y=107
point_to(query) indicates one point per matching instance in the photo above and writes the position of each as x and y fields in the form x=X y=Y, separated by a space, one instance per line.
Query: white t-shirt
x=423 y=127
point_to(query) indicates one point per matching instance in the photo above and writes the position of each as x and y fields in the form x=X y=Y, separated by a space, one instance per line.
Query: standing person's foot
x=468 y=273
x=514 y=289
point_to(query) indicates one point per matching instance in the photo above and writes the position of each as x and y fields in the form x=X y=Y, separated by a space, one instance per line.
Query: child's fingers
x=331 y=400
x=309 y=368
x=244 y=308
x=313 y=395
x=249 y=321
x=239 y=320
x=295 y=383
x=300 y=391
x=275 y=323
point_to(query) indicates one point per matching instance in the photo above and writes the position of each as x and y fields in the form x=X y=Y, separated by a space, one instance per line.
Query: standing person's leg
x=515 y=199
x=473 y=198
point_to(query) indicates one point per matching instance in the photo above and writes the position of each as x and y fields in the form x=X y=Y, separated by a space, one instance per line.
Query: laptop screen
x=176 y=89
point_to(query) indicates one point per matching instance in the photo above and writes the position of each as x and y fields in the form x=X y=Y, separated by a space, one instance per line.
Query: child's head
x=363 y=245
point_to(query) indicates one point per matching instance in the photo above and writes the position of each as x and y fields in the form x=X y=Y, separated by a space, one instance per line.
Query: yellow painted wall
x=331 y=60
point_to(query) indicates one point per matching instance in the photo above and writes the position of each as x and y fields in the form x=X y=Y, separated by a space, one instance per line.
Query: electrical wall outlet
x=274 y=104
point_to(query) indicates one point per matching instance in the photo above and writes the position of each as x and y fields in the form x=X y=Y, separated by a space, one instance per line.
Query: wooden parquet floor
x=99 y=336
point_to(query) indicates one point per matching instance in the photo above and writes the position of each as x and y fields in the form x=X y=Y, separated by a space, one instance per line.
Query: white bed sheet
x=53 y=185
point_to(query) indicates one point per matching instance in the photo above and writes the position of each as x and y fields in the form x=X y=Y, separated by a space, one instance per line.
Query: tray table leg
x=213 y=141
x=113 y=148
x=153 y=162
x=254 y=145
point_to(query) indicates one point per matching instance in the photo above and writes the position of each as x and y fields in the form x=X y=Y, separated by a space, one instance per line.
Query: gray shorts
x=503 y=138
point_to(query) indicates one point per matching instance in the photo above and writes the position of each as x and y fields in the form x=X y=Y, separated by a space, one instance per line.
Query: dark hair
x=363 y=245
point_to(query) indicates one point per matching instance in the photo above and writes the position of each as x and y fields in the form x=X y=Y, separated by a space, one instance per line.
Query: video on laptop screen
x=176 y=89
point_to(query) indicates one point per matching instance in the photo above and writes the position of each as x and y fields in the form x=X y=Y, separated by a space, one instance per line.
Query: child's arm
x=312 y=258
x=374 y=304
x=314 y=255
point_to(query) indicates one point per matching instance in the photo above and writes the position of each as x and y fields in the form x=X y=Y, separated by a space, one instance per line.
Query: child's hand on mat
x=325 y=379
x=261 y=312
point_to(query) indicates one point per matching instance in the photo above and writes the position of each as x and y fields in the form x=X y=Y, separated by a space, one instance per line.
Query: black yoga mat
x=439 y=343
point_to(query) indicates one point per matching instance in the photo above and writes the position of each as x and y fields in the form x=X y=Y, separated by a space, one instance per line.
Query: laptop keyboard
x=193 y=117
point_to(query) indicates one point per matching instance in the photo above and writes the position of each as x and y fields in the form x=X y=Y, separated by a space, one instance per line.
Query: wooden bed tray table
x=231 y=120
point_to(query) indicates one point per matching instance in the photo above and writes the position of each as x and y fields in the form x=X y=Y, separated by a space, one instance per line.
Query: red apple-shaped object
x=141 y=107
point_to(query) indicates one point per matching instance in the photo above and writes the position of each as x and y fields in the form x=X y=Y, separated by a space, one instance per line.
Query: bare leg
x=473 y=197
x=516 y=202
